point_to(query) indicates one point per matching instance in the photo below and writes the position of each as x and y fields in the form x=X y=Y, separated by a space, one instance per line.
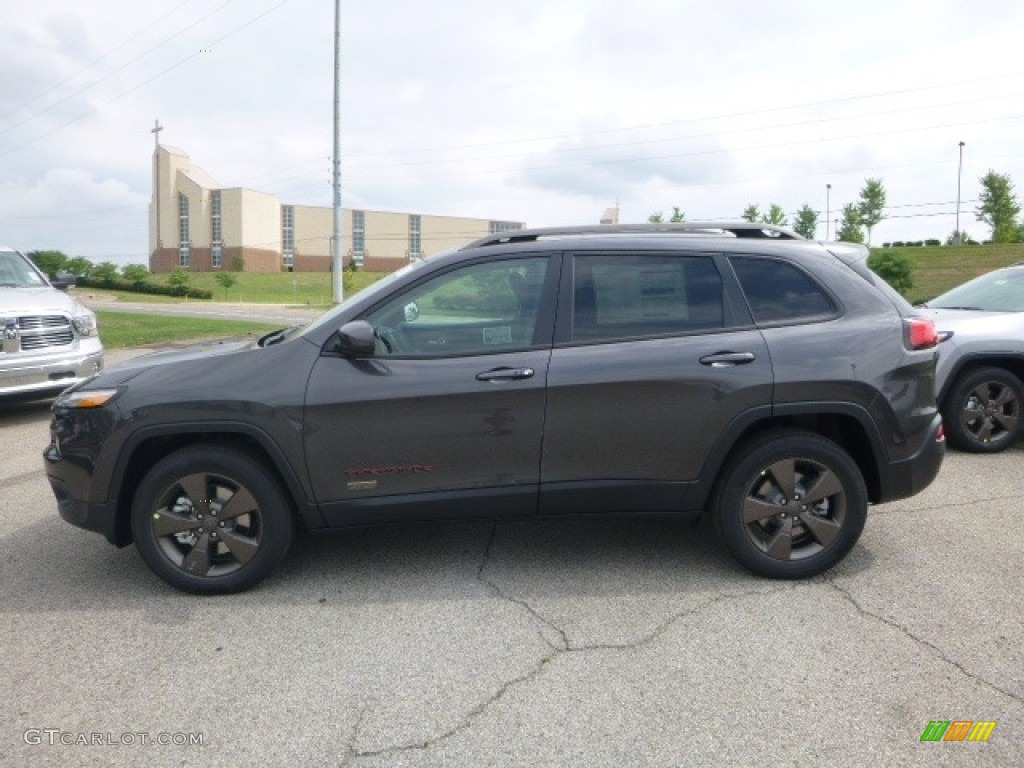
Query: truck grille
x=31 y=332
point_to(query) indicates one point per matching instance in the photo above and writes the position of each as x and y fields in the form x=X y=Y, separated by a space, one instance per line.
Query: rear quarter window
x=779 y=292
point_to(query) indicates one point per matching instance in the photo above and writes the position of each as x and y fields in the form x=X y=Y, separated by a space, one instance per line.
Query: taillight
x=920 y=333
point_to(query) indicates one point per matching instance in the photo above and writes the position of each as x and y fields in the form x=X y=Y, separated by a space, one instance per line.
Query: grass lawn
x=313 y=288
x=937 y=269
x=124 y=329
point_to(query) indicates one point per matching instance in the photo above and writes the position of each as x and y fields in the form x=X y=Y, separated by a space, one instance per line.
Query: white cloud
x=544 y=110
x=69 y=210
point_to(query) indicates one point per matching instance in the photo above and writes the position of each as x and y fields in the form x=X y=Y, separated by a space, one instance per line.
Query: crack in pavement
x=921 y=641
x=881 y=510
x=14 y=479
x=562 y=648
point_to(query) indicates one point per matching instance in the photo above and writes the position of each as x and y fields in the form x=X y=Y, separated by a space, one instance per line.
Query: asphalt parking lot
x=555 y=643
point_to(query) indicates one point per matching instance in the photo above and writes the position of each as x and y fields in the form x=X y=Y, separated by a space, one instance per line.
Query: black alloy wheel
x=211 y=520
x=982 y=412
x=790 y=504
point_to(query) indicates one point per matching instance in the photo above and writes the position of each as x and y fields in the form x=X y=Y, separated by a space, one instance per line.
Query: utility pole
x=959 y=173
x=339 y=289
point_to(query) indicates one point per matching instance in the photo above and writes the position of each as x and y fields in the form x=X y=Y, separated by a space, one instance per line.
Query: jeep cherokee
x=670 y=369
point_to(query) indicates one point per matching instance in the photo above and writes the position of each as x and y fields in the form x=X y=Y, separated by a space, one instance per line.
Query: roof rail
x=746 y=229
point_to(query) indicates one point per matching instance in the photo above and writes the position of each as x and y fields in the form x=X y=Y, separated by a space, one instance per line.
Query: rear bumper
x=42 y=374
x=905 y=478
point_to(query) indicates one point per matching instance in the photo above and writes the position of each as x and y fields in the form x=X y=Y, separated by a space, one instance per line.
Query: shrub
x=894 y=268
x=135 y=274
x=181 y=281
x=151 y=288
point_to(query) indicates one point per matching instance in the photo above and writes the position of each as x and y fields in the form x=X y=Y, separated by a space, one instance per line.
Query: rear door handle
x=505 y=374
x=727 y=359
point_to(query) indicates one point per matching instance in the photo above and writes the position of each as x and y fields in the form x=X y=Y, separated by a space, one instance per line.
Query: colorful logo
x=958 y=730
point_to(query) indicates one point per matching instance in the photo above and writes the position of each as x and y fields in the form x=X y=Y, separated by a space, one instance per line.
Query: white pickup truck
x=48 y=341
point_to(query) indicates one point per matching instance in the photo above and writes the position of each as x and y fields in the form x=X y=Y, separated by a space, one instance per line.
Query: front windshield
x=999 y=291
x=16 y=272
x=381 y=285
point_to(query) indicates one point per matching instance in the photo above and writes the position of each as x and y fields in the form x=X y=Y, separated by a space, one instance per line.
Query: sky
x=541 y=111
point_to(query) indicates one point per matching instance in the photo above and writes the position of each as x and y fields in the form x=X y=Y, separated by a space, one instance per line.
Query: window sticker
x=501 y=334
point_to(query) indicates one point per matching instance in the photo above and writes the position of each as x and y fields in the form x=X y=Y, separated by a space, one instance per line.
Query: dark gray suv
x=776 y=383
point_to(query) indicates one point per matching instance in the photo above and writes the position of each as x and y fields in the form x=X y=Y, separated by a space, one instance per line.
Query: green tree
x=135 y=274
x=659 y=217
x=999 y=208
x=238 y=264
x=960 y=238
x=79 y=266
x=226 y=280
x=105 y=273
x=850 y=230
x=751 y=213
x=894 y=268
x=871 y=205
x=181 y=281
x=49 y=262
x=776 y=215
x=806 y=224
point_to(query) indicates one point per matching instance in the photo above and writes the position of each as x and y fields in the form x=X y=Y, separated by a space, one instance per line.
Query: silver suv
x=48 y=341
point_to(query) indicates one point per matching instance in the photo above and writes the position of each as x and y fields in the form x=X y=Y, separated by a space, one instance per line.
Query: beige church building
x=202 y=226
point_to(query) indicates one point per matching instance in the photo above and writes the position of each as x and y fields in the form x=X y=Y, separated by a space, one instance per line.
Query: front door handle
x=505 y=374
x=727 y=359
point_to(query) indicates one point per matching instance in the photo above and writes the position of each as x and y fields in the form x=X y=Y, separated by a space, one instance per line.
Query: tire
x=982 y=411
x=771 y=490
x=211 y=520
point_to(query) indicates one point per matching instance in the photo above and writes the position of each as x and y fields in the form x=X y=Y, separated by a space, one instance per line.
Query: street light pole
x=338 y=284
x=828 y=207
x=959 y=173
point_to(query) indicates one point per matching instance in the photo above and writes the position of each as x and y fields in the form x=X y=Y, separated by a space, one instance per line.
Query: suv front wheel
x=211 y=520
x=790 y=504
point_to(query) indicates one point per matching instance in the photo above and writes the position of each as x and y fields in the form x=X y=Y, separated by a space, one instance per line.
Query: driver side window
x=474 y=310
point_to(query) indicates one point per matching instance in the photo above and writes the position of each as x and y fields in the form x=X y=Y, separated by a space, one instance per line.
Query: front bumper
x=70 y=485
x=49 y=373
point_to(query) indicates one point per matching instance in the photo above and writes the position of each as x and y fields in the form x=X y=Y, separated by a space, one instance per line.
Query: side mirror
x=356 y=339
x=63 y=282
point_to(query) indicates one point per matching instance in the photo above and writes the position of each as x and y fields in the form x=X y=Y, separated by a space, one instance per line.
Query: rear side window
x=778 y=292
x=628 y=296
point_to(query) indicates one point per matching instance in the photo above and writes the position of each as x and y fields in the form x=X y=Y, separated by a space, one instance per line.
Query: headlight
x=85 y=398
x=85 y=324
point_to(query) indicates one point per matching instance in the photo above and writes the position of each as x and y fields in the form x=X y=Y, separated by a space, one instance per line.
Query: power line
x=99 y=58
x=124 y=66
x=136 y=87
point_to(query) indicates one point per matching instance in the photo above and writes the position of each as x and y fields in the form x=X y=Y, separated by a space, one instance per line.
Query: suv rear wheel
x=211 y=520
x=982 y=412
x=790 y=505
